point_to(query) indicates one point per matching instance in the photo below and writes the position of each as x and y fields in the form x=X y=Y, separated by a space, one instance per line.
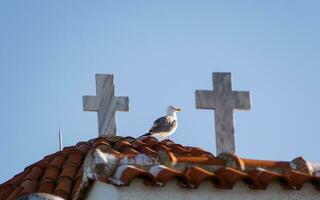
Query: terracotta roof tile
x=180 y=150
x=150 y=141
x=121 y=144
x=15 y=194
x=76 y=186
x=129 y=151
x=6 y=192
x=316 y=182
x=147 y=150
x=51 y=173
x=58 y=161
x=298 y=178
x=168 y=142
x=161 y=147
x=83 y=147
x=34 y=174
x=137 y=143
x=156 y=162
x=197 y=175
x=228 y=177
x=164 y=174
x=126 y=173
x=266 y=163
x=69 y=171
x=47 y=186
x=17 y=178
x=64 y=187
x=75 y=158
x=262 y=178
x=196 y=151
x=29 y=186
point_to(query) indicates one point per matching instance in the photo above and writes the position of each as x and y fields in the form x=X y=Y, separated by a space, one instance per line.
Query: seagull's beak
x=178 y=109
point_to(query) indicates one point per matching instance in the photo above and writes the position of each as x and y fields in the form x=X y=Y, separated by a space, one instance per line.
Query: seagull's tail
x=144 y=135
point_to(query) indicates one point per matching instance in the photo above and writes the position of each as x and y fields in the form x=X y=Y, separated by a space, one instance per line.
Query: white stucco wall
x=138 y=191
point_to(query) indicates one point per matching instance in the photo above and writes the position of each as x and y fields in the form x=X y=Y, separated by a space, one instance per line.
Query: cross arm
x=204 y=99
x=241 y=100
x=122 y=103
x=90 y=103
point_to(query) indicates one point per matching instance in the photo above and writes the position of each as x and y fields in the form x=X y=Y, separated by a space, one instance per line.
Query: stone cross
x=223 y=100
x=106 y=104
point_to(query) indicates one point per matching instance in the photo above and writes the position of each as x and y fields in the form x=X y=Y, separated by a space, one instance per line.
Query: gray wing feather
x=163 y=124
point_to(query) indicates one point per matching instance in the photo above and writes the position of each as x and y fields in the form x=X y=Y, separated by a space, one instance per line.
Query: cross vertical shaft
x=105 y=103
x=223 y=100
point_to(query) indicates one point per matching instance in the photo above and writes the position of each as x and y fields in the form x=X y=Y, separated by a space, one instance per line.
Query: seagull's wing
x=163 y=124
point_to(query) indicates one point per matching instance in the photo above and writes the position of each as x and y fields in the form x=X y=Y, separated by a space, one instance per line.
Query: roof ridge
x=61 y=173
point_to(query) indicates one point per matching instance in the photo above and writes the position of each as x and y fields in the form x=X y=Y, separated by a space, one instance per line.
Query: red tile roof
x=61 y=173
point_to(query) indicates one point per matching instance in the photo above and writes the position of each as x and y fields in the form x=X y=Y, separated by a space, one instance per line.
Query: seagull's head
x=173 y=109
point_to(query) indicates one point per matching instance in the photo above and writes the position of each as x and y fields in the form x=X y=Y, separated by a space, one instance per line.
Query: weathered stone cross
x=223 y=100
x=106 y=104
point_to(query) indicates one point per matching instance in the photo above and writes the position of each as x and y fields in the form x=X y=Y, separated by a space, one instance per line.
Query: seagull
x=165 y=126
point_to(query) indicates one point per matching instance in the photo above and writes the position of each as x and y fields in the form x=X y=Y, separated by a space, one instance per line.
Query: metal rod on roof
x=60 y=140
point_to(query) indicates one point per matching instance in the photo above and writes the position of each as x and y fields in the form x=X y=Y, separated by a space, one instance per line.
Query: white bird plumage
x=166 y=125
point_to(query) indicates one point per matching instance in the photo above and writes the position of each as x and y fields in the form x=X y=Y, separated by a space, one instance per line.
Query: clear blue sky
x=50 y=51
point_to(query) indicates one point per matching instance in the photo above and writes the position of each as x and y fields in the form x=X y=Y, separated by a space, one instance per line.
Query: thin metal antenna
x=60 y=140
